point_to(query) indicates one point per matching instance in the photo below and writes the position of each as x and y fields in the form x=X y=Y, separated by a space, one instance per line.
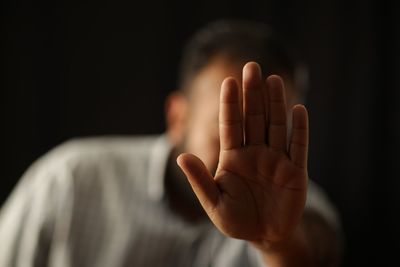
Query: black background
x=92 y=68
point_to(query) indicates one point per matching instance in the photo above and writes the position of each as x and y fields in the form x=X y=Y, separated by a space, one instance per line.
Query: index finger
x=230 y=121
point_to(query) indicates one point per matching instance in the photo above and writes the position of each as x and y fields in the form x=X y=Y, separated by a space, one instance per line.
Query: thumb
x=200 y=179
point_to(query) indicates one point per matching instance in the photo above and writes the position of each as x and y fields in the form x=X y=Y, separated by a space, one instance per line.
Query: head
x=215 y=52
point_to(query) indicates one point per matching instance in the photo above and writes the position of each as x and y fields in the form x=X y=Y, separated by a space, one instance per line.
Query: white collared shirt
x=101 y=202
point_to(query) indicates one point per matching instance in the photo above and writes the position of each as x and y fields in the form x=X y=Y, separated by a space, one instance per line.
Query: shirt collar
x=159 y=153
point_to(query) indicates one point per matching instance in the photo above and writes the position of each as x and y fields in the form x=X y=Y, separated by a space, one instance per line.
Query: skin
x=250 y=180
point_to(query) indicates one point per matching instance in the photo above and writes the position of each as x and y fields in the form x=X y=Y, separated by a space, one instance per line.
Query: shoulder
x=101 y=146
x=92 y=149
x=319 y=201
x=79 y=157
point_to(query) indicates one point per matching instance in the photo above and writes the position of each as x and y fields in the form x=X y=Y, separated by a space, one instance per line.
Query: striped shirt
x=101 y=202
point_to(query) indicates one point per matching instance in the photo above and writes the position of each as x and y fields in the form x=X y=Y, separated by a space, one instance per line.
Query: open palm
x=260 y=186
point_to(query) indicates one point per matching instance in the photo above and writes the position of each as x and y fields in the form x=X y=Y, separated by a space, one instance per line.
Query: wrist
x=291 y=251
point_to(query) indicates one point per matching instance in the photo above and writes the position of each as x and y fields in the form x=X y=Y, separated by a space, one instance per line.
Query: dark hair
x=237 y=41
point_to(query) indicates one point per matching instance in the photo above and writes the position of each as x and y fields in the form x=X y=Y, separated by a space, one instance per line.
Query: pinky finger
x=298 y=150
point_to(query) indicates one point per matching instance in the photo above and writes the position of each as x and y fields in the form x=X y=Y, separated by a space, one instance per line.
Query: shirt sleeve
x=27 y=218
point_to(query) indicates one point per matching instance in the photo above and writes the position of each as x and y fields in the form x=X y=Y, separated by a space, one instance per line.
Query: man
x=125 y=202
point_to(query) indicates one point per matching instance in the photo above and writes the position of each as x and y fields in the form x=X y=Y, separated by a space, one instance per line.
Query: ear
x=176 y=110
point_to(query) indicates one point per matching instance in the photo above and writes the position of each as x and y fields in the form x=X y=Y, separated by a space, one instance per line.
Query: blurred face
x=198 y=130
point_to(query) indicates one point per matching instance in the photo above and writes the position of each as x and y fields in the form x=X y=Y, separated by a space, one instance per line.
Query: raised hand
x=260 y=186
